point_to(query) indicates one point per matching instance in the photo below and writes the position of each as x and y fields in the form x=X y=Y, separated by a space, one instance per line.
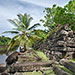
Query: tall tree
x=58 y=15
x=24 y=32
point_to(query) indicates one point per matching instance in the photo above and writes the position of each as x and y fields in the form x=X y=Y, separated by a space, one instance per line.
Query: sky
x=10 y=8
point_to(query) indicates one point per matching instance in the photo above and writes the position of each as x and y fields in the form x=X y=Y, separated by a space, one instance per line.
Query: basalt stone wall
x=60 y=43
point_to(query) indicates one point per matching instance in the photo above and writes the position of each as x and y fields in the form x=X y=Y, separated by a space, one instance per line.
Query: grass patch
x=34 y=56
x=42 y=55
x=72 y=60
x=65 y=69
x=32 y=73
x=50 y=72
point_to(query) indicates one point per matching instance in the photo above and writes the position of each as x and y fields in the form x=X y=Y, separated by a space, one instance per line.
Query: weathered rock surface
x=67 y=64
x=2 y=67
x=12 y=58
x=29 y=56
x=28 y=67
x=70 y=66
x=63 y=41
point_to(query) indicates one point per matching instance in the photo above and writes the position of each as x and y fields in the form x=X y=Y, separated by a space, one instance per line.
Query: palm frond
x=20 y=17
x=22 y=20
x=25 y=20
x=34 y=26
x=14 y=41
x=29 y=20
x=33 y=39
x=13 y=22
x=23 y=39
x=21 y=25
x=14 y=38
x=12 y=32
x=12 y=44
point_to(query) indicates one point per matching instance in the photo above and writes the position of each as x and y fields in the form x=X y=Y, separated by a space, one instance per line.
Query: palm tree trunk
x=23 y=49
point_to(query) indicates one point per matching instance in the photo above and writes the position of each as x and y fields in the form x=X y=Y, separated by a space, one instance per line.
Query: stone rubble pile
x=61 y=43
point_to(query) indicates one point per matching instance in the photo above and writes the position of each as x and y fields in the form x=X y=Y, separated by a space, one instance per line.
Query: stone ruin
x=61 y=43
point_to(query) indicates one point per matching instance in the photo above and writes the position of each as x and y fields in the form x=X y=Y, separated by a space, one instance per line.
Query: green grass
x=72 y=60
x=44 y=58
x=49 y=72
x=42 y=55
x=65 y=69
x=32 y=73
x=33 y=55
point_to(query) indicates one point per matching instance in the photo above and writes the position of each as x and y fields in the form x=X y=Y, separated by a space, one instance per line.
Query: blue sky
x=10 y=8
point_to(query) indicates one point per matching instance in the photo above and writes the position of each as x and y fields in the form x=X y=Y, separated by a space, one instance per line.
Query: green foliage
x=3 y=44
x=50 y=72
x=24 y=32
x=63 y=17
x=31 y=73
x=48 y=20
x=72 y=60
x=4 y=40
x=70 y=7
x=42 y=55
x=41 y=33
x=58 y=15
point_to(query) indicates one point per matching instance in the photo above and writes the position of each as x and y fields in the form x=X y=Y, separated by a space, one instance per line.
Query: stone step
x=28 y=66
x=61 y=49
x=68 y=44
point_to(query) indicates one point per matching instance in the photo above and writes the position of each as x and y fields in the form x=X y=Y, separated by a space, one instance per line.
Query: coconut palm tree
x=24 y=32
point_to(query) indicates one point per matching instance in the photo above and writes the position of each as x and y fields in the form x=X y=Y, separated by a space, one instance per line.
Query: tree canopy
x=60 y=15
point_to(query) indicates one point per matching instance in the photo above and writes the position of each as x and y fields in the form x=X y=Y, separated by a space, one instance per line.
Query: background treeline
x=4 y=40
x=60 y=15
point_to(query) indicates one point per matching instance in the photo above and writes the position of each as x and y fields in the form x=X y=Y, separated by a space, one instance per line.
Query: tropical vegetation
x=4 y=40
x=60 y=15
x=25 y=34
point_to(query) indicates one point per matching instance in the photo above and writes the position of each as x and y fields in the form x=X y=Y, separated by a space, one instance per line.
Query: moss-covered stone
x=72 y=60
x=65 y=69
x=32 y=56
x=49 y=72
x=42 y=56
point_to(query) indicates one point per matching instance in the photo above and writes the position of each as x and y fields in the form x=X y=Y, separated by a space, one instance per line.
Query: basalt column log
x=12 y=58
x=73 y=55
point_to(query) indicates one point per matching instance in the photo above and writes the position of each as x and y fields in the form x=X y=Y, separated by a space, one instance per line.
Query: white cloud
x=47 y=3
x=11 y=8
